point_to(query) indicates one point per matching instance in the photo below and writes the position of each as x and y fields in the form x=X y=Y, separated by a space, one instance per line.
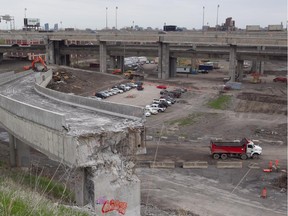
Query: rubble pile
x=61 y=75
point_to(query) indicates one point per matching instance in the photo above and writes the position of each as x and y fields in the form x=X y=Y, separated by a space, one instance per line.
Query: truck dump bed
x=228 y=147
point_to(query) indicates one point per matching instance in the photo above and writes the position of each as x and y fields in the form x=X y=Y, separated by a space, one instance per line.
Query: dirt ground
x=257 y=111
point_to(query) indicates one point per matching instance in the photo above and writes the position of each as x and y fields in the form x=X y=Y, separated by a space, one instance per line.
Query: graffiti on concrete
x=101 y=200
x=114 y=205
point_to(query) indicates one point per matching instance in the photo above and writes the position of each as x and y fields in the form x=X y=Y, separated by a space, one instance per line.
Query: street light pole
x=116 y=18
x=203 y=18
x=217 y=16
x=106 y=18
x=25 y=12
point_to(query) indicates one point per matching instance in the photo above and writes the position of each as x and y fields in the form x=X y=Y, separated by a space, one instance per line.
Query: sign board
x=35 y=22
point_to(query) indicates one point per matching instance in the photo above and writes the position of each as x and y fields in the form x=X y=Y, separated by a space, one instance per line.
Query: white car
x=147 y=113
x=159 y=109
x=118 y=90
x=151 y=110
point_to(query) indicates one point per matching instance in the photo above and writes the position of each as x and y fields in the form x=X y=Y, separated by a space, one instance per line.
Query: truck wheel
x=216 y=156
x=243 y=156
x=224 y=156
x=255 y=156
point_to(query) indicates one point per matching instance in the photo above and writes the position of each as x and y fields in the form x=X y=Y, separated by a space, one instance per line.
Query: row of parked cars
x=117 y=89
x=167 y=98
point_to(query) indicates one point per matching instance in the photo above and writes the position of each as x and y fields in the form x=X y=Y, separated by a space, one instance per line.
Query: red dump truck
x=243 y=149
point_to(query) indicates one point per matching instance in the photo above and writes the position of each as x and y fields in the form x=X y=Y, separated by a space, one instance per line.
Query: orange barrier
x=264 y=193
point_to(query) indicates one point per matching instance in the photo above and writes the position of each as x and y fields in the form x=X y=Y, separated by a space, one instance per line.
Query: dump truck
x=243 y=149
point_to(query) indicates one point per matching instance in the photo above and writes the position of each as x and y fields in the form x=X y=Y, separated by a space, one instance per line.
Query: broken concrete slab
x=195 y=164
x=169 y=165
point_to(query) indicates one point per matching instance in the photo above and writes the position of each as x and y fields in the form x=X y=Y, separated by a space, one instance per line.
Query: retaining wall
x=110 y=108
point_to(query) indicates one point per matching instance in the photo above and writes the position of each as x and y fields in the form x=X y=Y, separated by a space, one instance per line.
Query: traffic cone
x=264 y=193
x=276 y=163
x=270 y=164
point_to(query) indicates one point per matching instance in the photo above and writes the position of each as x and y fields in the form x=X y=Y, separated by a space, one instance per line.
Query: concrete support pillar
x=65 y=60
x=113 y=62
x=120 y=63
x=232 y=62
x=1 y=57
x=254 y=67
x=163 y=64
x=19 y=152
x=103 y=57
x=12 y=150
x=81 y=189
x=194 y=65
x=173 y=67
x=240 y=64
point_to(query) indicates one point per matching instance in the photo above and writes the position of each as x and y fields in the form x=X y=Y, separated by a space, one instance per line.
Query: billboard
x=31 y=22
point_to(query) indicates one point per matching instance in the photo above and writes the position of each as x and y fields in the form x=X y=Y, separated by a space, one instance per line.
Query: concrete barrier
x=229 y=164
x=169 y=165
x=7 y=79
x=195 y=164
x=44 y=78
x=6 y=74
x=110 y=108
x=35 y=114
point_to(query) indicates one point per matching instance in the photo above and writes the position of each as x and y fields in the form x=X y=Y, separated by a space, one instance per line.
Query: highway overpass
x=235 y=46
x=96 y=138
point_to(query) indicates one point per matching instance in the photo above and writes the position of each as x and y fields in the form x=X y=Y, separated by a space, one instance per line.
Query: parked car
x=100 y=95
x=161 y=87
x=96 y=98
x=280 y=79
x=156 y=106
x=117 y=90
x=147 y=113
x=153 y=111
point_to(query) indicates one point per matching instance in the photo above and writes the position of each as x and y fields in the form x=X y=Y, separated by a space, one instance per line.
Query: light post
x=106 y=17
x=25 y=12
x=60 y=25
x=203 y=18
x=133 y=25
x=217 y=16
x=116 y=18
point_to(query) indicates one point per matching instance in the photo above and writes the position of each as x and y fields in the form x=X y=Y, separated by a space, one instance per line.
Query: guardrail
x=35 y=114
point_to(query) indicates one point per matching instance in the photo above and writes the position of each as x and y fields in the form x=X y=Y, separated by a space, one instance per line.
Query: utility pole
x=106 y=18
x=217 y=16
x=116 y=18
x=203 y=18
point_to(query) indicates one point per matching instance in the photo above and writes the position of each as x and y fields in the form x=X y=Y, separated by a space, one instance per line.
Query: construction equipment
x=133 y=75
x=243 y=149
x=256 y=77
x=35 y=63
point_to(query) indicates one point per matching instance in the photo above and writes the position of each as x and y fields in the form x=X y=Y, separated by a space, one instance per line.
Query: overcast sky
x=145 y=13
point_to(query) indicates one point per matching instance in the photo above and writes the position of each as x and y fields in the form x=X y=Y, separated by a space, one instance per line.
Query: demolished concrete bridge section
x=98 y=139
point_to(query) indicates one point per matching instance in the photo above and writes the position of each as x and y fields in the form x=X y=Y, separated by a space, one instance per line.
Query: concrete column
x=254 y=67
x=112 y=62
x=240 y=67
x=163 y=64
x=22 y=153
x=81 y=192
x=65 y=60
x=1 y=57
x=12 y=150
x=194 y=63
x=232 y=62
x=103 y=57
x=121 y=63
x=173 y=66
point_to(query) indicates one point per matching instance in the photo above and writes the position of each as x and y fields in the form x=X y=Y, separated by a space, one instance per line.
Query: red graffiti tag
x=114 y=205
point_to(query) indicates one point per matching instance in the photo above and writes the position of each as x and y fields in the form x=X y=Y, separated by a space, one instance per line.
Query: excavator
x=34 y=64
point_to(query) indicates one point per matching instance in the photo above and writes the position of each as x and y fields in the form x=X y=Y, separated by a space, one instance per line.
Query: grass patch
x=17 y=199
x=43 y=184
x=221 y=102
x=186 y=121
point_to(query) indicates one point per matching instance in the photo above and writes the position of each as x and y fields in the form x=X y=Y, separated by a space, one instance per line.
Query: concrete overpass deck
x=79 y=120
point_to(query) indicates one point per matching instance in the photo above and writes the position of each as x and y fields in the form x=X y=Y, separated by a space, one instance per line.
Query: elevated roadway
x=237 y=46
x=80 y=132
